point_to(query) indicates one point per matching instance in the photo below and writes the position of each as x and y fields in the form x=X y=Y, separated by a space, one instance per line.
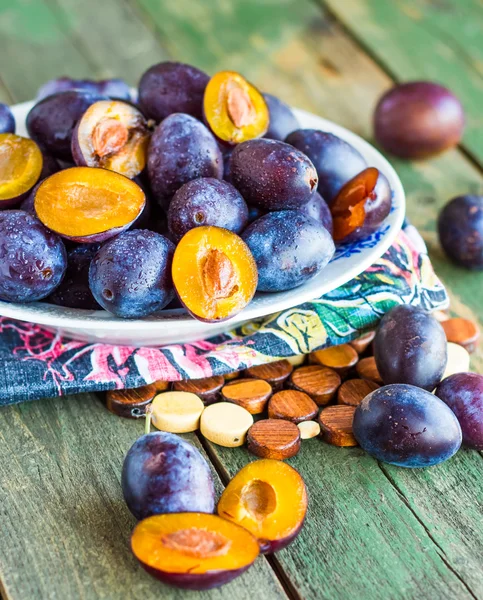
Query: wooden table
x=373 y=531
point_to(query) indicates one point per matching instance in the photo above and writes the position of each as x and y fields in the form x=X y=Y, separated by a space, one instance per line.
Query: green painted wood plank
x=117 y=42
x=362 y=538
x=36 y=47
x=413 y=39
x=65 y=527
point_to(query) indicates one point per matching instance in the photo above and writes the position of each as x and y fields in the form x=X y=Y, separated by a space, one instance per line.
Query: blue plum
x=463 y=393
x=181 y=149
x=51 y=122
x=318 y=209
x=282 y=119
x=460 y=228
x=74 y=291
x=335 y=160
x=272 y=175
x=130 y=276
x=172 y=87
x=7 y=120
x=410 y=347
x=289 y=249
x=162 y=473
x=114 y=88
x=33 y=259
x=206 y=201
x=406 y=426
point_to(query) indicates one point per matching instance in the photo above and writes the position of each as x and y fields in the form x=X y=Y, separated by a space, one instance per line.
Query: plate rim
x=96 y=321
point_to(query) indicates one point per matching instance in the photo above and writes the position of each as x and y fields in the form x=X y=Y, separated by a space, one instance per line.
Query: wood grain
x=372 y=531
x=447 y=34
x=65 y=526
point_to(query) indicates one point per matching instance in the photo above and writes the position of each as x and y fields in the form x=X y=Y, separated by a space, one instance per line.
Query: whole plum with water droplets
x=7 y=120
x=74 y=290
x=272 y=175
x=410 y=347
x=163 y=473
x=130 y=276
x=32 y=258
x=206 y=201
x=318 y=209
x=335 y=160
x=406 y=426
x=282 y=119
x=289 y=249
x=181 y=149
x=113 y=88
x=172 y=87
x=463 y=393
x=51 y=122
x=460 y=228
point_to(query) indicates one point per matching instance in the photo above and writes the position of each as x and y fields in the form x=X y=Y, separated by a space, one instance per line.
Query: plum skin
x=335 y=160
x=51 y=122
x=163 y=473
x=74 y=290
x=114 y=88
x=272 y=175
x=318 y=209
x=130 y=276
x=406 y=426
x=7 y=120
x=463 y=393
x=206 y=201
x=289 y=249
x=196 y=581
x=181 y=149
x=172 y=87
x=460 y=229
x=410 y=347
x=34 y=259
x=282 y=119
x=418 y=119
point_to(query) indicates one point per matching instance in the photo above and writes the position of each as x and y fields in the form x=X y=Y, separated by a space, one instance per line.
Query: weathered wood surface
x=439 y=40
x=373 y=531
x=65 y=528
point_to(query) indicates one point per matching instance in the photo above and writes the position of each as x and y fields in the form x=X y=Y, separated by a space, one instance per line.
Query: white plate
x=177 y=326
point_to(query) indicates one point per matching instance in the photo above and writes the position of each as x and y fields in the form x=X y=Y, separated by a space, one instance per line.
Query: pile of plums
x=203 y=188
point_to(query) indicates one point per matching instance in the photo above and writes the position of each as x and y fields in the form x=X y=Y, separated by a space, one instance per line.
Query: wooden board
x=439 y=41
x=65 y=526
x=373 y=531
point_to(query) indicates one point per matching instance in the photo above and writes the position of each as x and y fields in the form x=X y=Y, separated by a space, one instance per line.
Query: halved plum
x=20 y=167
x=113 y=135
x=268 y=498
x=361 y=205
x=194 y=551
x=88 y=205
x=214 y=273
x=234 y=109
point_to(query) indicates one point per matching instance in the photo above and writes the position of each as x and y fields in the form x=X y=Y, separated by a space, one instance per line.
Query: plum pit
x=112 y=135
x=200 y=543
x=259 y=499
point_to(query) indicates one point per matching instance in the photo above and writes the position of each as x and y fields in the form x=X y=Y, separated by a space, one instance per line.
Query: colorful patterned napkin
x=38 y=364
